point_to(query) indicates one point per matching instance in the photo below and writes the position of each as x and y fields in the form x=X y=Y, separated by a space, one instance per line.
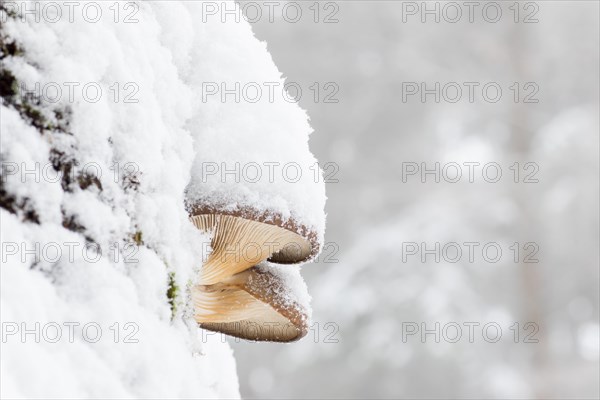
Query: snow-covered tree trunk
x=103 y=131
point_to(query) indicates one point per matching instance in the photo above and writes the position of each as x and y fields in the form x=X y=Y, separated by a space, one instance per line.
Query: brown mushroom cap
x=251 y=305
x=244 y=238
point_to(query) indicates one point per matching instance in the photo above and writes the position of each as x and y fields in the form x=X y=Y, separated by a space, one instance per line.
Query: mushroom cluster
x=239 y=292
x=254 y=186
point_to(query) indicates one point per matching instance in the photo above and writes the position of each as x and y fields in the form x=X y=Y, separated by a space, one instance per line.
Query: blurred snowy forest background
x=370 y=291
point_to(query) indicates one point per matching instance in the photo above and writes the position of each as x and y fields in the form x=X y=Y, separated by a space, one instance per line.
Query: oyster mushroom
x=256 y=304
x=244 y=238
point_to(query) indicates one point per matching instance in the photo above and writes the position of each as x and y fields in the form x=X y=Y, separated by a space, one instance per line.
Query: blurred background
x=369 y=290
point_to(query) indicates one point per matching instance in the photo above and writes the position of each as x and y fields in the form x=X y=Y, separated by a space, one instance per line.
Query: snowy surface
x=162 y=138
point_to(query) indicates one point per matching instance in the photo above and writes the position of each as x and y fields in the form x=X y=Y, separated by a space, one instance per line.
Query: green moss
x=137 y=238
x=172 y=293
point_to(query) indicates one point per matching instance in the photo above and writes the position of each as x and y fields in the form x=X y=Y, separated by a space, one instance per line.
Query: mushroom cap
x=252 y=305
x=244 y=237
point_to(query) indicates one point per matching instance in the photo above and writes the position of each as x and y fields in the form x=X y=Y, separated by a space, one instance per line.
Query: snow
x=264 y=136
x=292 y=289
x=144 y=154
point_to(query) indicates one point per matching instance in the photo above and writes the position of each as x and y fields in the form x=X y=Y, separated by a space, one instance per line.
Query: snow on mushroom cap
x=292 y=289
x=269 y=135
